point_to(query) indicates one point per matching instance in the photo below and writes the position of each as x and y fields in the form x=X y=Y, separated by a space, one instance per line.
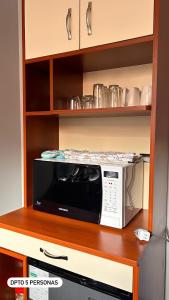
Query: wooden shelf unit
x=65 y=79
x=51 y=81
x=12 y=265
x=142 y=110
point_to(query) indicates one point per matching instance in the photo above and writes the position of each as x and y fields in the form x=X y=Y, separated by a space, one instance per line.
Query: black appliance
x=72 y=190
x=75 y=287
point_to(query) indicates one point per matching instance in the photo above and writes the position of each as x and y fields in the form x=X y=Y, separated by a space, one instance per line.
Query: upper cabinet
x=108 y=21
x=51 y=27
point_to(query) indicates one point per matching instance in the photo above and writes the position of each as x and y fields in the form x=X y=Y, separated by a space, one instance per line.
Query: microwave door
x=71 y=190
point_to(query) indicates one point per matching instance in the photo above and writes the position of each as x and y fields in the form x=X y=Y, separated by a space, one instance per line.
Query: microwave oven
x=107 y=193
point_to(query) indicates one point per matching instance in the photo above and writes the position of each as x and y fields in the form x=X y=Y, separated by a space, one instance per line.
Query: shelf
x=119 y=245
x=12 y=265
x=115 y=111
x=39 y=113
x=115 y=55
x=97 y=112
x=38 y=86
x=41 y=134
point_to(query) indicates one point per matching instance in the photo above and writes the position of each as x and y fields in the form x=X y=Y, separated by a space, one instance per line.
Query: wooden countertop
x=119 y=245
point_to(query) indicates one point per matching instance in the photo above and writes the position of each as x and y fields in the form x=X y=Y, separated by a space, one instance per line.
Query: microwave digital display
x=110 y=174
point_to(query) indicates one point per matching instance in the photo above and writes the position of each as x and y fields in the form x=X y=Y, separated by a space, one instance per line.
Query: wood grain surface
x=119 y=245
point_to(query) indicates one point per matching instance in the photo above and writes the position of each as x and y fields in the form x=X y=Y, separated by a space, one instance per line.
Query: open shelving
x=38 y=87
x=12 y=265
x=51 y=81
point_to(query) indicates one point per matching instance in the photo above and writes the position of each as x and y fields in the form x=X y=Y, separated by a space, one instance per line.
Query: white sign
x=31 y=282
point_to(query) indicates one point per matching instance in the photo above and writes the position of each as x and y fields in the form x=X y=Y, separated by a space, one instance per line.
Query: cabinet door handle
x=89 y=18
x=46 y=253
x=69 y=23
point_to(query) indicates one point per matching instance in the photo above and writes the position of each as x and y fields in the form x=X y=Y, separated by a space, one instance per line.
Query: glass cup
x=146 y=95
x=115 y=95
x=87 y=101
x=74 y=103
x=106 y=98
x=98 y=95
x=133 y=97
x=124 y=97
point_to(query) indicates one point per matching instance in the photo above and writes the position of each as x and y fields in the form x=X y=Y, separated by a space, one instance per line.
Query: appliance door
x=68 y=189
x=75 y=287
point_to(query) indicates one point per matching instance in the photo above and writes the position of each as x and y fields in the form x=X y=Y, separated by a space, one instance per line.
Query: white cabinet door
x=51 y=27
x=107 y=21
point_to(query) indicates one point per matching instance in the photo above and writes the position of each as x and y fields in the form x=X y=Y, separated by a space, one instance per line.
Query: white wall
x=10 y=129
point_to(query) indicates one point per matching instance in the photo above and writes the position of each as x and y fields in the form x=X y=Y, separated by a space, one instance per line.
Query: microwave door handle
x=46 y=253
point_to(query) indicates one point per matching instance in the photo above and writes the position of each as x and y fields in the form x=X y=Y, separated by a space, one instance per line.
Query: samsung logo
x=63 y=209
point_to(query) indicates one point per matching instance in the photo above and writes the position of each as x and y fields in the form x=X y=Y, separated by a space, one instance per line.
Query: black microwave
x=108 y=194
x=71 y=190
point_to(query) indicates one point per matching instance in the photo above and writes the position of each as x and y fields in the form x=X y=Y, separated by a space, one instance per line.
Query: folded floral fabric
x=85 y=155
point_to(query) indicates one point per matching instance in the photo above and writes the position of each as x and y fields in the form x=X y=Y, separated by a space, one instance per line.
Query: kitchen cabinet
x=51 y=27
x=108 y=21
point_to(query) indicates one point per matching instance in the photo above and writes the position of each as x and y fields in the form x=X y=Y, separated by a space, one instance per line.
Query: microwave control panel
x=112 y=201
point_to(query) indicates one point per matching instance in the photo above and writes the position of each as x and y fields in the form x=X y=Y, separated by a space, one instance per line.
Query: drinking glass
x=74 y=103
x=98 y=95
x=133 y=98
x=146 y=95
x=115 y=95
x=87 y=101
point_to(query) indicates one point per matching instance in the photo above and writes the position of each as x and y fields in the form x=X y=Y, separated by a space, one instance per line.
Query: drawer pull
x=46 y=253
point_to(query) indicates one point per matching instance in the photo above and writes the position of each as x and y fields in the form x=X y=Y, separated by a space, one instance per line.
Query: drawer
x=103 y=270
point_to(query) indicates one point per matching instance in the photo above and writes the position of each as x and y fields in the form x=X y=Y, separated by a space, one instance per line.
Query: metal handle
x=89 y=18
x=69 y=23
x=46 y=253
